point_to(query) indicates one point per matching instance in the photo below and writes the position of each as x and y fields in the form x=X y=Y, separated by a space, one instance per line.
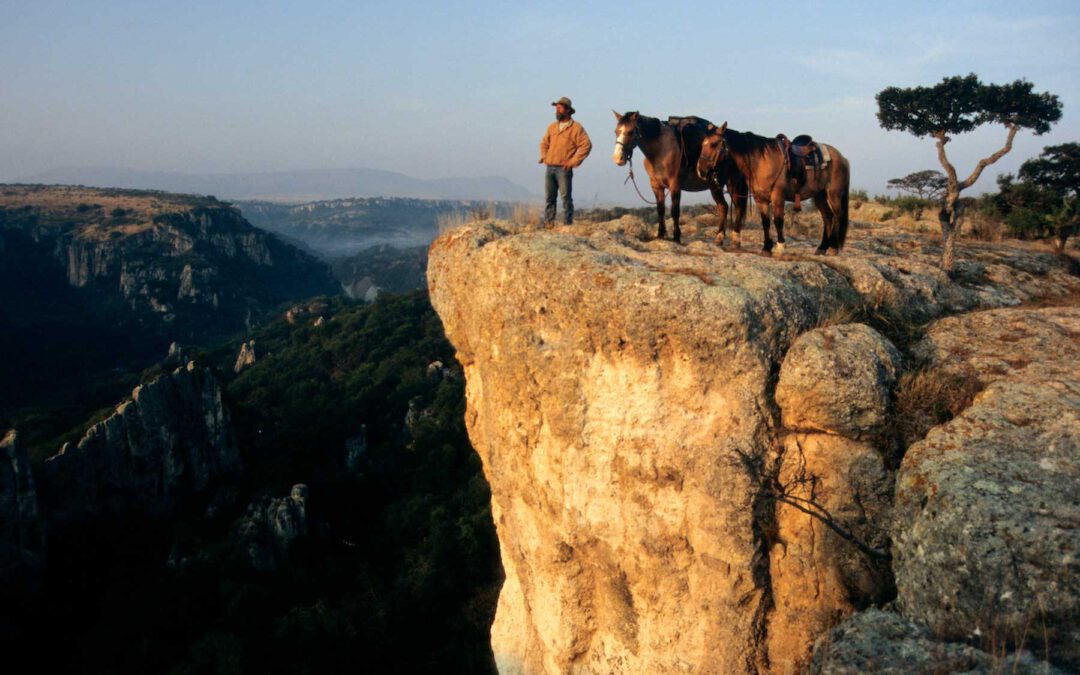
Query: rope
x=630 y=162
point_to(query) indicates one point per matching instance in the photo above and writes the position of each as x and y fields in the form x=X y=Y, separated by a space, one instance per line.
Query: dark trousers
x=560 y=179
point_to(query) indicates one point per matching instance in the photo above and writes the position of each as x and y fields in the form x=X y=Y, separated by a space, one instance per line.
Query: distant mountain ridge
x=300 y=185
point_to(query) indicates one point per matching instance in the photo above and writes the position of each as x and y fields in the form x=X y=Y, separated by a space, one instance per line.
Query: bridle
x=631 y=143
x=722 y=152
x=627 y=150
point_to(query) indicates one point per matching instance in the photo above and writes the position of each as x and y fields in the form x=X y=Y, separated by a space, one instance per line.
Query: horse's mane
x=746 y=142
x=649 y=127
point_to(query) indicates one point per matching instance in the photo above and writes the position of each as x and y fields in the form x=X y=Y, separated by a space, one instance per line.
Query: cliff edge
x=660 y=506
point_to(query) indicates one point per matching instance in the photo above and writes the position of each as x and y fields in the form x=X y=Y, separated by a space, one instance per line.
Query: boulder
x=839 y=380
x=830 y=550
x=987 y=512
x=876 y=641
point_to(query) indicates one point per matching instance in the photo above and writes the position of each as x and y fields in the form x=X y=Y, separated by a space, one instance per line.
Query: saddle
x=692 y=128
x=802 y=154
x=681 y=123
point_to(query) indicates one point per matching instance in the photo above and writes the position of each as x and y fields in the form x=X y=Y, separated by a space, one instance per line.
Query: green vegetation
x=1045 y=201
x=958 y=105
x=399 y=571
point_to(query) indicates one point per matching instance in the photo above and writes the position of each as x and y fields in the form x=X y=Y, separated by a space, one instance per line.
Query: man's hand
x=540 y=161
x=568 y=167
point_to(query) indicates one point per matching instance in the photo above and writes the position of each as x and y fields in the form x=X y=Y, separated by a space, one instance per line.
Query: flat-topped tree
x=957 y=105
x=928 y=184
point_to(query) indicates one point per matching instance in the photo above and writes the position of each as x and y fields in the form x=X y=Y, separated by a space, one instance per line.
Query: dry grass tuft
x=527 y=213
x=931 y=396
x=452 y=219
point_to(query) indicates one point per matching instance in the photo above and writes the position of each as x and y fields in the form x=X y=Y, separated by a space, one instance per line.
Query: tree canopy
x=928 y=184
x=960 y=104
x=1057 y=168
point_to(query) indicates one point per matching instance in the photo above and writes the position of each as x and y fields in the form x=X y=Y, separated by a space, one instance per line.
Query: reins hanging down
x=630 y=163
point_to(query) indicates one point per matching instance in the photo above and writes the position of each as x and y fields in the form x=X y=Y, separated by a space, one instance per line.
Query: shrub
x=1026 y=223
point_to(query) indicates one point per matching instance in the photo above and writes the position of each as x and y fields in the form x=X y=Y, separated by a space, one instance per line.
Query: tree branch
x=983 y=163
x=950 y=170
x=827 y=519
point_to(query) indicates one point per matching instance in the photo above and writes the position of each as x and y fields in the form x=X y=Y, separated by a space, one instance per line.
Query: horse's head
x=626 y=136
x=714 y=149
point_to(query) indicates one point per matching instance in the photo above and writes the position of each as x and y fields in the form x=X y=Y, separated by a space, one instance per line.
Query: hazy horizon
x=435 y=92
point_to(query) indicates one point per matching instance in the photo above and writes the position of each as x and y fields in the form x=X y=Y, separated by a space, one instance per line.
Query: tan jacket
x=567 y=146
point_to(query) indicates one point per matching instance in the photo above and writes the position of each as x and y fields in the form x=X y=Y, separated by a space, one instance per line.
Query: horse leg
x=777 y=207
x=764 y=207
x=739 y=197
x=721 y=210
x=676 y=198
x=822 y=204
x=661 y=230
x=835 y=205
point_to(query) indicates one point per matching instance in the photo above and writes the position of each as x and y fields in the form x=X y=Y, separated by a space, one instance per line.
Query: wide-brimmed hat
x=566 y=102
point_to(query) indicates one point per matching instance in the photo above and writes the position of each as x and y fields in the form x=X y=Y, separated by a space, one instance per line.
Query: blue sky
x=463 y=89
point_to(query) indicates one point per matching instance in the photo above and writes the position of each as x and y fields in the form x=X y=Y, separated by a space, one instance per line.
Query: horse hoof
x=833 y=252
x=819 y=251
x=778 y=249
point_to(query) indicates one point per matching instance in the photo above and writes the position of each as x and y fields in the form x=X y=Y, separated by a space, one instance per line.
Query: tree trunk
x=948 y=217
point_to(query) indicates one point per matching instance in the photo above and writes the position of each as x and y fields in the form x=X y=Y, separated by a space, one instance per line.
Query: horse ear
x=634 y=115
x=723 y=127
x=618 y=117
x=711 y=128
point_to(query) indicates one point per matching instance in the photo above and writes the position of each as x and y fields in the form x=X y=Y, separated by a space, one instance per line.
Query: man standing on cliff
x=564 y=147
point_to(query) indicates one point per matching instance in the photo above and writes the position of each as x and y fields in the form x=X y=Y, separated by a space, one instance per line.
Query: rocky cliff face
x=270 y=525
x=690 y=450
x=171 y=260
x=22 y=529
x=172 y=439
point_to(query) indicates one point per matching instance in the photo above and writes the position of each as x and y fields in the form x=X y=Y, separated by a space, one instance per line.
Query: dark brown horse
x=671 y=152
x=764 y=163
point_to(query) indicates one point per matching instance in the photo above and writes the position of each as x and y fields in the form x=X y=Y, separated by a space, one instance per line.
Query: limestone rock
x=987 y=513
x=176 y=353
x=617 y=394
x=876 y=641
x=621 y=397
x=838 y=379
x=22 y=529
x=270 y=525
x=171 y=440
x=835 y=498
x=246 y=357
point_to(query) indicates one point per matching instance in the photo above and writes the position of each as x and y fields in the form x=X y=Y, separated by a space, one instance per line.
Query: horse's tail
x=841 y=232
x=842 y=224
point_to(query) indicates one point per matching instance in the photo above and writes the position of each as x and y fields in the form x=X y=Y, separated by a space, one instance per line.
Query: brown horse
x=764 y=163
x=671 y=153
